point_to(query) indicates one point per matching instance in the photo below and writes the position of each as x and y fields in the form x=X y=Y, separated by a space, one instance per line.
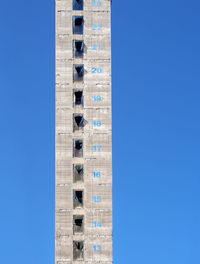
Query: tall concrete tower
x=83 y=132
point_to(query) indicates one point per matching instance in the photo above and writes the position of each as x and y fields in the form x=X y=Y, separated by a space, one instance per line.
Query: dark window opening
x=78 y=148
x=78 y=97
x=78 y=25
x=78 y=224
x=78 y=173
x=77 y=4
x=79 y=122
x=78 y=199
x=78 y=72
x=78 y=252
x=78 y=48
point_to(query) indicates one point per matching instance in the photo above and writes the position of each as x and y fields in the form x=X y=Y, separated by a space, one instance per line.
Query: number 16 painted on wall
x=97 y=174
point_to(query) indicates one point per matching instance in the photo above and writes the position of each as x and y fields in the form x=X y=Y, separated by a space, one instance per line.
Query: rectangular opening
x=78 y=148
x=78 y=73
x=78 y=173
x=78 y=122
x=78 y=250
x=78 y=199
x=78 y=48
x=77 y=4
x=78 y=25
x=78 y=98
x=78 y=226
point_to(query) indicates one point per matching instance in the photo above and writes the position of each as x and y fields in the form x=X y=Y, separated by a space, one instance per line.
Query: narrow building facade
x=83 y=132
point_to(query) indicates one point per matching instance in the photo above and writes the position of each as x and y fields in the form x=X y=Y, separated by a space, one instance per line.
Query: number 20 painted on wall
x=96 y=70
x=97 y=27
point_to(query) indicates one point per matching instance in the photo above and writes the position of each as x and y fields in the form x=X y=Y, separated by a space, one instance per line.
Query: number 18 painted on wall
x=97 y=98
x=97 y=123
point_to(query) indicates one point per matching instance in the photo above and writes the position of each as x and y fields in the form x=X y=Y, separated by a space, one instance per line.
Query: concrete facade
x=83 y=152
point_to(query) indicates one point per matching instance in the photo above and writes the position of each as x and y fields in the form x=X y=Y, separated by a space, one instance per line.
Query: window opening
x=77 y=4
x=78 y=247
x=78 y=97
x=78 y=72
x=78 y=199
x=78 y=148
x=78 y=224
x=79 y=122
x=78 y=48
x=78 y=25
x=78 y=173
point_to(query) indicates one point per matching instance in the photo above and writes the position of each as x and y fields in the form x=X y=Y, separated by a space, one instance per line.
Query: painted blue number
x=97 y=224
x=97 y=148
x=97 y=98
x=96 y=47
x=97 y=27
x=96 y=3
x=97 y=248
x=97 y=123
x=96 y=70
x=97 y=199
x=97 y=174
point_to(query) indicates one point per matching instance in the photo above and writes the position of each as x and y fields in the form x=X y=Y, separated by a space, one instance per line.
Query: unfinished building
x=83 y=132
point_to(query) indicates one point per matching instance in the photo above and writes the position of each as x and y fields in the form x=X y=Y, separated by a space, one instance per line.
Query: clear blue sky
x=156 y=94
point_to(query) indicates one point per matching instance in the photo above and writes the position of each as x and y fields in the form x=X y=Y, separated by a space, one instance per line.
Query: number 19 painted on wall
x=97 y=224
x=96 y=47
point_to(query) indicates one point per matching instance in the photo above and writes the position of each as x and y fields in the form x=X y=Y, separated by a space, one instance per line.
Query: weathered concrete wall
x=93 y=85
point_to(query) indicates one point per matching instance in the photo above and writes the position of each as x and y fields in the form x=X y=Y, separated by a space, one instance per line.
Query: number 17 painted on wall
x=97 y=148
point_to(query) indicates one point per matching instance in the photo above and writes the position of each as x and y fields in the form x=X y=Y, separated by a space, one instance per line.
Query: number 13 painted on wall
x=97 y=248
